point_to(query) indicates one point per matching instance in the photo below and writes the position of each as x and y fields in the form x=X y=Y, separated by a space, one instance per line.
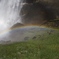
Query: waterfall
x=9 y=13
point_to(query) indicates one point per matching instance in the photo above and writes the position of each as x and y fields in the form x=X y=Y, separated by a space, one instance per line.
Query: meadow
x=45 y=47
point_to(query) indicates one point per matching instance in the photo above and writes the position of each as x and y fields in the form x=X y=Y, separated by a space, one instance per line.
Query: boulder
x=17 y=25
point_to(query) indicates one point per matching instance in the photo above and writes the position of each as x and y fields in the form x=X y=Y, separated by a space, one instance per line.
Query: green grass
x=46 y=47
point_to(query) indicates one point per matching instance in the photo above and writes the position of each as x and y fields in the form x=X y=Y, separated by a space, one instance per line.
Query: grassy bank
x=46 y=47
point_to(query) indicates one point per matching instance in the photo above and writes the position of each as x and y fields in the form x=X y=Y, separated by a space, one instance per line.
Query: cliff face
x=36 y=13
x=52 y=3
x=42 y=12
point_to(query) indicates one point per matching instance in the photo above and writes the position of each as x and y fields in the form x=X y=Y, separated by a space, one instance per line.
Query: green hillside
x=46 y=47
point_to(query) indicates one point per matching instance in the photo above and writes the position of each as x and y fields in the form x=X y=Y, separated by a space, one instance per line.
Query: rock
x=29 y=1
x=40 y=12
x=36 y=13
x=17 y=25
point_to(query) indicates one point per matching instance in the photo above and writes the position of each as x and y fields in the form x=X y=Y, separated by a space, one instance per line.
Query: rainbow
x=11 y=29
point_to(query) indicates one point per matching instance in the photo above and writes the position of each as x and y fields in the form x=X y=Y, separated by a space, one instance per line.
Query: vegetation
x=46 y=47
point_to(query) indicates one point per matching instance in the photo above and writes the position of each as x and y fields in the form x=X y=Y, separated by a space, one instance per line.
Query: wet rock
x=17 y=25
x=26 y=38
x=34 y=37
x=37 y=13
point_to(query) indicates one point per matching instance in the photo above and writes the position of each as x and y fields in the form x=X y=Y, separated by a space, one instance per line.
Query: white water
x=9 y=13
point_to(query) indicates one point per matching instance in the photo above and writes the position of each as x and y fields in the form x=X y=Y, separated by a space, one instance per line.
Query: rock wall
x=40 y=12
